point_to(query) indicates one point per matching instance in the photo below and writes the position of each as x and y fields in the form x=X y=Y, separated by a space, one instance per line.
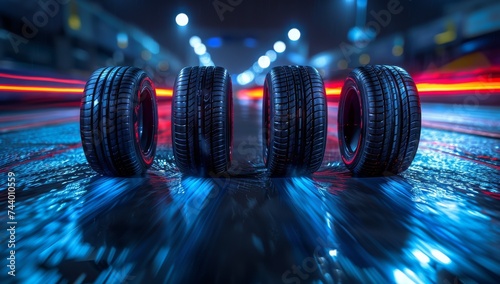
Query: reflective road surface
x=439 y=222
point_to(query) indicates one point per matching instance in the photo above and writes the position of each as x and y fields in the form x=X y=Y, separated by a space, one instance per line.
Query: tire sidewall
x=351 y=158
x=268 y=120
x=145 y=84
x=230 y=119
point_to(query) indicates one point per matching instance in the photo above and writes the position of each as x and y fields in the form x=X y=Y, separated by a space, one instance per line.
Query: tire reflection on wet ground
x=436 y=223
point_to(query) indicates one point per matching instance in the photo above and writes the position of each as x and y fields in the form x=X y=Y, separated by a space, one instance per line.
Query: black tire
x=202 y=121
x=294 y=120
x=379 y=120
x=119 y=121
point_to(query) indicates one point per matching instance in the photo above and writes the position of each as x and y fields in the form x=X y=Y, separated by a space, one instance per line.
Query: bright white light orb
x=264 y=62
x=194 y=41
x=200 y=49
x=182 y=19
x=294 y=34
x=245 y=77
x=279 y=47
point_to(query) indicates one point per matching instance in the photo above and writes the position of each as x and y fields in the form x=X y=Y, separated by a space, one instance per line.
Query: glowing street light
x=245 y=77
x=279 y=47
x=294 y=34
x=182 y=19
x=200 y=49
x=194 y=41
x=264 y=62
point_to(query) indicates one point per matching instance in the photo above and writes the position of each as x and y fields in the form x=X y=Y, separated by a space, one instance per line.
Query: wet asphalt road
x=439 y=222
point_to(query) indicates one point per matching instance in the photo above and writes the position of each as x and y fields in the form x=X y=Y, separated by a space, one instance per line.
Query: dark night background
x=437 y=222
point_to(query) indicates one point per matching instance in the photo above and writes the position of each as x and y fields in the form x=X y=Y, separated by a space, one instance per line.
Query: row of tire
x=379 y=121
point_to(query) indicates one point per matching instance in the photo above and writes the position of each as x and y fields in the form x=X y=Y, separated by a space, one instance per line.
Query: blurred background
x=48 y=48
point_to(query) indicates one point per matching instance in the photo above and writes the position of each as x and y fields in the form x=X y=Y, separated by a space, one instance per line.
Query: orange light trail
x=333 y=91
x=164 y=92
x=425 y=86
x=493 y=86
x=250 y=94
x=443 y=87
x=39 y=89
x=256 y=93
x=333 y=88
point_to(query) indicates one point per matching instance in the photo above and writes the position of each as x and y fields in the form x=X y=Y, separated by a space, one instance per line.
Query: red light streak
x=492 y=86
x=44 y=79
x=484 y=80
x=333 y=88
x=161 y=92
x=256 y=93
x=250 y=94
x=31 y=89
x=427 y=84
